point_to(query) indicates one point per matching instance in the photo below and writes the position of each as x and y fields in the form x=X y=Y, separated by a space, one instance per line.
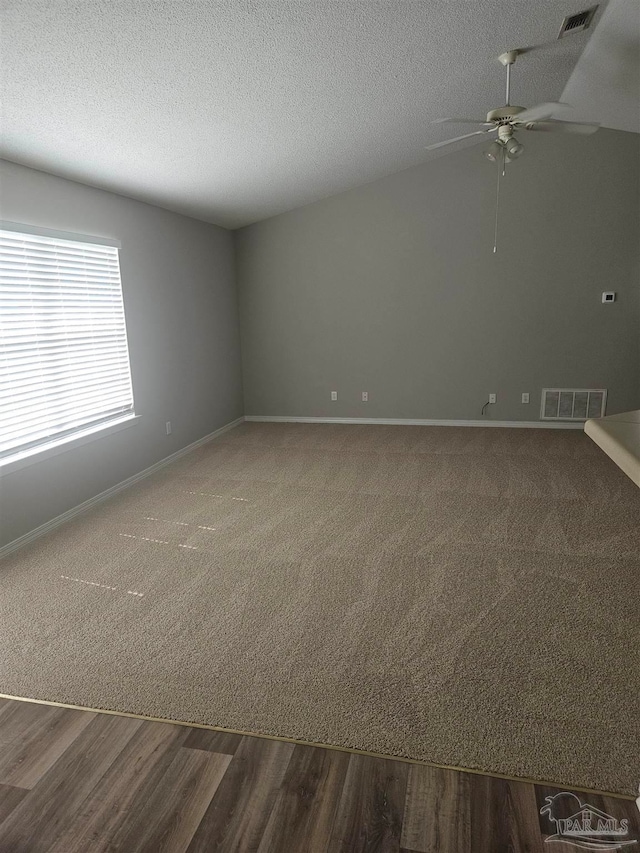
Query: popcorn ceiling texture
x=465 y=596
x=234 y=111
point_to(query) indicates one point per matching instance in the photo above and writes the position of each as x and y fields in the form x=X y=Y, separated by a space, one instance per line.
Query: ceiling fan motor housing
x=504 y=114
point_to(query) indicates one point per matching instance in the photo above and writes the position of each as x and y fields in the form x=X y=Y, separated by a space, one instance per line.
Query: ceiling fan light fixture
x=492 y=151
x=514 y=148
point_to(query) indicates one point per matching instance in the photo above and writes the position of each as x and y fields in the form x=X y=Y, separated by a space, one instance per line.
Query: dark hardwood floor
x=75 y=781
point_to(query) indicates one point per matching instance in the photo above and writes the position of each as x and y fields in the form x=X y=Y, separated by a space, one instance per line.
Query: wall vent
x=577 y=23
x=572 y=404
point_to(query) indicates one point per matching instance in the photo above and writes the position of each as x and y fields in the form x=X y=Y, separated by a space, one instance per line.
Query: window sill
x=44 y=451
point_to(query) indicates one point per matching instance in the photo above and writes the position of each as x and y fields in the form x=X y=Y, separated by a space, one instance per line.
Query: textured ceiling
x=235 y=110
x=605 y=84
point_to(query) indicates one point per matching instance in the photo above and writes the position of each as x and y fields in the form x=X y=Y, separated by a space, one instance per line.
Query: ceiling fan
x=506 y=120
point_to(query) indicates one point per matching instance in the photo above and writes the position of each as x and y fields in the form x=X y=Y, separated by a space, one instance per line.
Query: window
x=64 y=359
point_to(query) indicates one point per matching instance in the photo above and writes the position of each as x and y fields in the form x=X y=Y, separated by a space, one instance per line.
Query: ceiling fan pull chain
x=495 y=231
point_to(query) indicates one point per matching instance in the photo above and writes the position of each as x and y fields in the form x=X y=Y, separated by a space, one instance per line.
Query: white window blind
x=64 y=360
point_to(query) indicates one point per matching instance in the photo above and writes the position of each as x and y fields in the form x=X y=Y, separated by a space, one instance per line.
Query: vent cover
x=578 y=22
x=572 y=404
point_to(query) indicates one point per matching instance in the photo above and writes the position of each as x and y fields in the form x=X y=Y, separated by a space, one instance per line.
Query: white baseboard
x=83 y=507
x=415 y=422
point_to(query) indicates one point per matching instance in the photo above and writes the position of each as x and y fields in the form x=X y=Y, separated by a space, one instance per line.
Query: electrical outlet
x=525 y=397
x=493 y=398
x=365 y=396
x=334 y=395
x=168 y=427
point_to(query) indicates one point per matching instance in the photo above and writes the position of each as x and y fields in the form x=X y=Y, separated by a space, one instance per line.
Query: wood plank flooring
x=75 y=781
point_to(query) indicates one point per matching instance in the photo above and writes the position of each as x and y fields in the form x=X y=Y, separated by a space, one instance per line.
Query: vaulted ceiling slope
x=235 y=110
x=605 y=84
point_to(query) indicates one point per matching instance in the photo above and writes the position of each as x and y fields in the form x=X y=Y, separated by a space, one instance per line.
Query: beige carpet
x=465 y=596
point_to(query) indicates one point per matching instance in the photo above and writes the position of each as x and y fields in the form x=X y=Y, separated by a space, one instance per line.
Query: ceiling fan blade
x=462 y=121
x=584 y=128
x=457 y=139
x=539 y=112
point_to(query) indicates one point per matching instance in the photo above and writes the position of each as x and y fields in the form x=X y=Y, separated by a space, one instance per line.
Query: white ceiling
x=235 y=110
x=605 y=84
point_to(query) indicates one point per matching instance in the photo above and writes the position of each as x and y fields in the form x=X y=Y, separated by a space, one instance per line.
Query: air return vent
x=578 y=22
x=572 y=404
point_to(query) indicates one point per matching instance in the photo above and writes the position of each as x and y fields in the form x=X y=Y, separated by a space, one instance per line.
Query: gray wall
x=181 y=310
x=393 y=288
